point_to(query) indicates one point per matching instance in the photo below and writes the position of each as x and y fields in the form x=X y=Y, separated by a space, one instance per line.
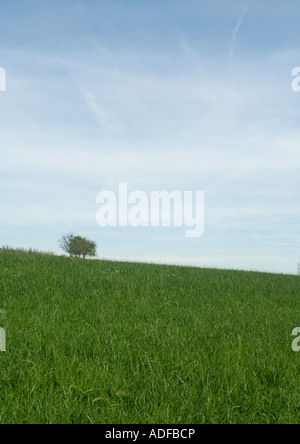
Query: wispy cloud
x=117 y=102
x=106 y=121
x=236 y=31
x=189 y=52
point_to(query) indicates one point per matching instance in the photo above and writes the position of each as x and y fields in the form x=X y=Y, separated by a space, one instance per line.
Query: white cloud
x=106 y=121
x=236 y=31
x=176 y=122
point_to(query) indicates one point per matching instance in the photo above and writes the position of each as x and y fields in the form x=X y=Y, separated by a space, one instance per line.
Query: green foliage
x=78 y=246
x=104 y=342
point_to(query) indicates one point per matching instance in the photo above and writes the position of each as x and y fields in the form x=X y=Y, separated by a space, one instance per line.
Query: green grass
x=121 y=343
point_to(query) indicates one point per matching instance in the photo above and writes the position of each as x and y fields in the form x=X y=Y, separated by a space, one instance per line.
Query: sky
x=161 y=95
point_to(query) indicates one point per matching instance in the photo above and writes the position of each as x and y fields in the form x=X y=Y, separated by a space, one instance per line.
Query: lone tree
x=78 y=246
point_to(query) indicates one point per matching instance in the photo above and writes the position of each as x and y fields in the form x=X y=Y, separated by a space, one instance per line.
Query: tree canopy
x=78 y=246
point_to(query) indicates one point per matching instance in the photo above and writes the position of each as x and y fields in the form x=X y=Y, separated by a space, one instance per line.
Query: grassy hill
x=104 y=342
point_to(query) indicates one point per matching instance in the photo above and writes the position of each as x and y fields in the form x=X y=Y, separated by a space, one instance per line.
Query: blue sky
x=164 y=95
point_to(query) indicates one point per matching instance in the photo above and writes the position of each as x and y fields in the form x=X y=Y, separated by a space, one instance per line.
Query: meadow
x=124 y=343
